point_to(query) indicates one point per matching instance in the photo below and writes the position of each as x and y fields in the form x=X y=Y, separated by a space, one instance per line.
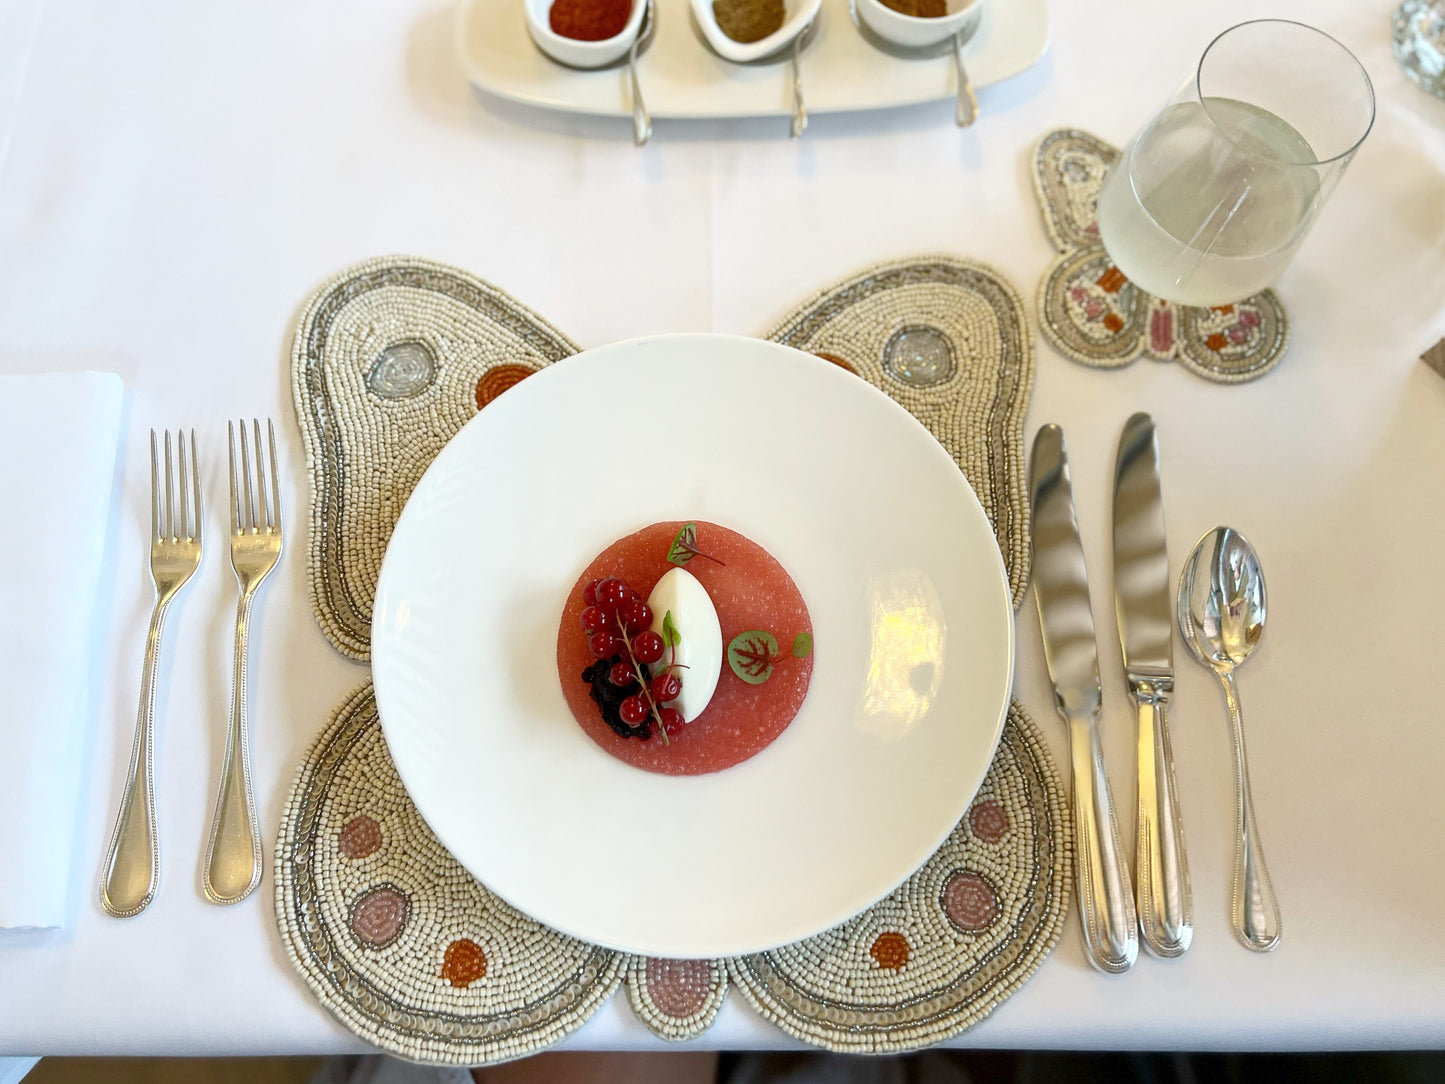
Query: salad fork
x=132 y=862
x=233 y=855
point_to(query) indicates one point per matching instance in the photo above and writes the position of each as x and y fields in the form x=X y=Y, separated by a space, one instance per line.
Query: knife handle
x=1106 y=902
x=1166 y=906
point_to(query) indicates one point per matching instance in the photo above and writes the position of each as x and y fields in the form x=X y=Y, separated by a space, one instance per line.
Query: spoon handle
x=1255 y=909
x=1166 y=909
x=965 y=109
x=800 y=111
x=1106 y=903
x=641 y=120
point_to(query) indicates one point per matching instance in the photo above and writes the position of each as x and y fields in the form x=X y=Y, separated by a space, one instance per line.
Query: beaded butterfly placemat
x=1090 y=312
x=395 y=938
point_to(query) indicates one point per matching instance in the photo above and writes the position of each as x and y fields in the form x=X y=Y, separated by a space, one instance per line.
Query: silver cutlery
x=641 y=119
x=1061 y=589
x=965 y=109
x=132 y=861
x=233 y=855
x=800 y=111
x=1146 y=633
x=1222 y=609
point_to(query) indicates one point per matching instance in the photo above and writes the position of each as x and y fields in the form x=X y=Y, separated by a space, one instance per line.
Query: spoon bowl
x=1222 y=600
x=1221 y=612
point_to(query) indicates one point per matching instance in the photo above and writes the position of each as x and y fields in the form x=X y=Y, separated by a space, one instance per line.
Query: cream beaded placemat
x=1090 y=312
x=391 y=357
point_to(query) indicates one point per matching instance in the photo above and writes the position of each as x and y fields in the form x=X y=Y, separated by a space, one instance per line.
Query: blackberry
x=608 y=697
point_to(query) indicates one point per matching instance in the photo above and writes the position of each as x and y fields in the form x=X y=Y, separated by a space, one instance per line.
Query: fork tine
x=248 y=506
x=183 y=528
x=275 y=476
x=170 y=493
x=155 y=493
x=196 y=485
x=235 y=505
x=263 y=513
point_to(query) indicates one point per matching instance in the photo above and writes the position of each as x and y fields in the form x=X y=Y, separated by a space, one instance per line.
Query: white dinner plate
x=912 y=622
x=681 y=77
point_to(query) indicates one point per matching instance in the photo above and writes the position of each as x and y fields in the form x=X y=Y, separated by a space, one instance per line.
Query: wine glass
x=1212 y=197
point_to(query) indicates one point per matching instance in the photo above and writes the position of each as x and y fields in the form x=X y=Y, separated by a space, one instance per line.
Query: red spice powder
x=589 y=20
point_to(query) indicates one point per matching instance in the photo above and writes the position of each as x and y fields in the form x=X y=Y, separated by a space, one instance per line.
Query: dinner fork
x=233 y=855
x=132 y=862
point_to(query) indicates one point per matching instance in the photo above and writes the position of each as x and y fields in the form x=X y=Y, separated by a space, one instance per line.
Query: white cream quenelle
x=700 y=646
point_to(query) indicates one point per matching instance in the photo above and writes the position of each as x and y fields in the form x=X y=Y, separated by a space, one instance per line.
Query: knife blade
x=1146 y=634
x=1061 y=590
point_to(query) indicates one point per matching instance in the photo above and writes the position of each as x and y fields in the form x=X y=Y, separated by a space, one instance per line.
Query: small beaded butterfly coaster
x=1090 y=312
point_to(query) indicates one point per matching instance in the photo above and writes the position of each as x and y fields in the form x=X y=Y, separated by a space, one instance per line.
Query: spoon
x=793 y=50
x=641 y=120
x=965 y=109
x=1221 y=618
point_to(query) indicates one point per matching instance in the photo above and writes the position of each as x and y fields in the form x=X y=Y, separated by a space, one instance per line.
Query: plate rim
x=998 y=580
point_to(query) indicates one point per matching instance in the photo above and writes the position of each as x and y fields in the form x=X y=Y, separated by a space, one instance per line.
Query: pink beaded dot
x=988 y=821
x=678 y=987
x=970 y=902
x=359 y=837
x=378 y=917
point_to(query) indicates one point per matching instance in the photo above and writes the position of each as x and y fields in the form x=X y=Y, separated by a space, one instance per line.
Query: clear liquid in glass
x=1208 y=204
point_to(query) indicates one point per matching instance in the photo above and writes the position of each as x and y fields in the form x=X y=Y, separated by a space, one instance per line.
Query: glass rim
x=1359 y=65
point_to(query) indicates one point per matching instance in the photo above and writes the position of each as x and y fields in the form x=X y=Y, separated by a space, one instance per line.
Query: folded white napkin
x=59 y=435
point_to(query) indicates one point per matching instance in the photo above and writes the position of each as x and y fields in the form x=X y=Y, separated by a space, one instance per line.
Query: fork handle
x=132 y=868
x=233 y=855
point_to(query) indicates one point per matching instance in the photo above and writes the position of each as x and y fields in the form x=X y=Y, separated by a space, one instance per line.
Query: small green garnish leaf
x=670 y=636
x=802 y=645
x=751 y=655
x=684 y=545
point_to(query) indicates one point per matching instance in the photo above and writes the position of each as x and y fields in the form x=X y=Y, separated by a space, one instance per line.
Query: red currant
x=647 y=646
x=636 y=614
x=594 y=619
x=589 y=593
x=671 y=721
x=666 y=687
x=633 y=710
x=611 y=593
x=621 y=675
x=604 y=644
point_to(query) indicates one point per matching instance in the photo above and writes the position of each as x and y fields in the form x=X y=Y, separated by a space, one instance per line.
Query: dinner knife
x=1061 y=589
x=1146 y=631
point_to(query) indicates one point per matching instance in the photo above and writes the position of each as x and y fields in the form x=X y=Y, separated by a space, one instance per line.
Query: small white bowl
x=912 y=32
x=797 y=14
x=581 y=54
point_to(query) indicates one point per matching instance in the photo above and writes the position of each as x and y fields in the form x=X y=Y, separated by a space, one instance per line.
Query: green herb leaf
x=670 y=636
x=802 y=645
x=752 y=654
x=684 y=545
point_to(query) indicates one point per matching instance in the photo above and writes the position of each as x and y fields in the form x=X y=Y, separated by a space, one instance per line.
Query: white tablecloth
x=176 y=179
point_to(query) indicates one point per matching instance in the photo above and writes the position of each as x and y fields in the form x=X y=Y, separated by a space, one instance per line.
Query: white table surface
x=176 y=179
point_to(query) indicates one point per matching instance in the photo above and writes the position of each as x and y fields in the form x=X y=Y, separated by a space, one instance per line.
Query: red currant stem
x=637 y=670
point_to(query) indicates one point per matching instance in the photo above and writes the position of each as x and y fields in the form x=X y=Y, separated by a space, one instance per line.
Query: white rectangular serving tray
x=682 y=78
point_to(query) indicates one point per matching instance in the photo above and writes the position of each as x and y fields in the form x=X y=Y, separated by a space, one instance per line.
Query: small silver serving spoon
x=1221 y=617
x=965 y=107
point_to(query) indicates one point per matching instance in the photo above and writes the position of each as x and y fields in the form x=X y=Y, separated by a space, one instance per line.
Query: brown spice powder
x=919 y=9
x=748 y=21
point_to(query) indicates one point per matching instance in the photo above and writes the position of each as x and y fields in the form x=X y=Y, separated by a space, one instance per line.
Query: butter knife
x=1146 y=631
x=1061 y=589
